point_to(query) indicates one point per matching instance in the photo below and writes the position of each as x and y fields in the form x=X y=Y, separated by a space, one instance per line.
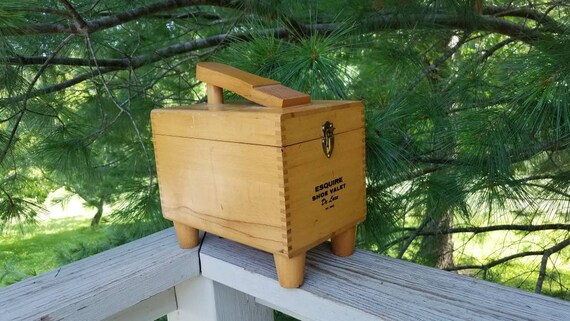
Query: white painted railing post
x=201 y=299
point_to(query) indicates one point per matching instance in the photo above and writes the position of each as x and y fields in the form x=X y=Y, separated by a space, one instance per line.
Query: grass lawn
x=34 y=250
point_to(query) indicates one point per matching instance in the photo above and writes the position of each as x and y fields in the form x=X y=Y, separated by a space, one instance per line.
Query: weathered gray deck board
x=362 y=287
x=102 y=285
x=367 y=286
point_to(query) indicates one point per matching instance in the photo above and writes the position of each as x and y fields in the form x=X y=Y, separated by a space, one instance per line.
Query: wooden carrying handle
x=263 y=91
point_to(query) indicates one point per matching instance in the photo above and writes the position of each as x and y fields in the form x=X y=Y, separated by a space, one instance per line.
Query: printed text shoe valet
x=282 y=176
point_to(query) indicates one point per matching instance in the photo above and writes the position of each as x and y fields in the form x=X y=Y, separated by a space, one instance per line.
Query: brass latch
x=328 y=138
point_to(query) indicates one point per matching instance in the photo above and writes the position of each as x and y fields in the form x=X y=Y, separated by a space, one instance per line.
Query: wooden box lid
x=287 y=117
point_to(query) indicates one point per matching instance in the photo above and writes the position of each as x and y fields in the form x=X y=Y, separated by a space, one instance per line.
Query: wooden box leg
x=187 y=236
x=290 y=271
x=215 y=94
x=343 y=243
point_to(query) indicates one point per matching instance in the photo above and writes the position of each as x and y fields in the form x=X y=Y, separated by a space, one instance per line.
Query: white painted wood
x=103 y=285
x=201 y=299
x=232 y=305
x=150 y=309
x=366 y=286
x=195 y=298
x=294 y=302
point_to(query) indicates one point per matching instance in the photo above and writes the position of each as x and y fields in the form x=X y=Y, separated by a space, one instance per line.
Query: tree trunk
x=437 y=250
x=444 y=242
x=97 y=218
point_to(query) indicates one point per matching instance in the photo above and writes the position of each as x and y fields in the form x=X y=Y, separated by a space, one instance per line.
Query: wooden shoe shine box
x=282 y=176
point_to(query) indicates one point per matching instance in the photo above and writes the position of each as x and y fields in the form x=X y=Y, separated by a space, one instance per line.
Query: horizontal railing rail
x=152 y=277
x=106 y=284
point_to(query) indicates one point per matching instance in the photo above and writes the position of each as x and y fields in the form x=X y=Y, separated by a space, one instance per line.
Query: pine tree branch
x=81 y=25
x=515 y=156
x=67 y=61
x=381 y=21
x=489 y=52
x=27 y=96
x=114 y=20
x=189 y=15
x=155 y=56
x=543 y=263
x=492 y=228
x=50 y=11
x=476 y=230
x=46 y=115
x=142 y=60
x=527 y=13
x=110 y=65
x=431 y=68
x=477 y=23
x=542 y=176
x=550 y=189
x=546 y=252
x=54 y=88
x=10 y=199
x=441 y=161
x=149 y=10
x=104 y=128
x=400 y=179
x=482 y=104
x=429 y=170
x=561 y=144
x=123 y=64
x=410 y=238
x=14 y=115
x=129 y=115
x=492 y=264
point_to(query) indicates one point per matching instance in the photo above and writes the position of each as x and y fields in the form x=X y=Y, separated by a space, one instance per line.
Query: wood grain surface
x=263 y=91
x=252 y=124
x=103 y=285
x=232 y=190
x=366 y=286
x=311 y=221
x=250 y=175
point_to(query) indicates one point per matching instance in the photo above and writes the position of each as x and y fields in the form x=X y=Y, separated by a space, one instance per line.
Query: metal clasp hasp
x=328 y=138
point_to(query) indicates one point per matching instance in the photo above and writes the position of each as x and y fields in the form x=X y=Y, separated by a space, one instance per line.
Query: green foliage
x=315 y=64
x=9 y=274
x=10 y=15
x=50 y=244
x=112 y=236
x=283 y=317
x=34 y=251
x=467 y=115
x=17 y=210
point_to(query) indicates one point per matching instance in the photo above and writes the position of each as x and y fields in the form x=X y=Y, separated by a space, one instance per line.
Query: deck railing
x=153 y=277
